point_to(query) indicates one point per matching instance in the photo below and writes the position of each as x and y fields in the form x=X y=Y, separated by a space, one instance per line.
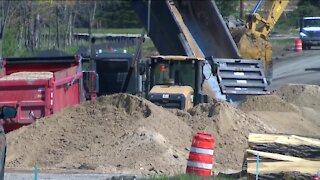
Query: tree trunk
x=20 y=35
x=5 y=9
x=91 y=19
x=57 y=27
x=30 y=33
x=92 y=13
x=36 y=31
x=49 y=29
x=70 y=27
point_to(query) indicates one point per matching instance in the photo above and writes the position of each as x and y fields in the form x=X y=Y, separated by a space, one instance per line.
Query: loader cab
x=175 y=81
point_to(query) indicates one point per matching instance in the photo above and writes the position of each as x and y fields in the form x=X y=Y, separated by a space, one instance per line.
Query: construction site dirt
x=125 y=134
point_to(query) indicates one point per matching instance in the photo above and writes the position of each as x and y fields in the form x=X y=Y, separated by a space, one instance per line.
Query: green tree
x=118 y=14
x=9 y=42
x=228 y=7
x=308 y=8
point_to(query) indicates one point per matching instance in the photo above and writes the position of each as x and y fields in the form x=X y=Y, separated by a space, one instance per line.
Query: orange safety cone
x=298 y=45
x=200 y=160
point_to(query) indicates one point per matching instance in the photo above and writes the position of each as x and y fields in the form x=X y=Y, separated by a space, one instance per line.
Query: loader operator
x=170 y=74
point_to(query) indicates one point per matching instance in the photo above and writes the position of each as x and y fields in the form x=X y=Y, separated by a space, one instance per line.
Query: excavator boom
x=262 y=27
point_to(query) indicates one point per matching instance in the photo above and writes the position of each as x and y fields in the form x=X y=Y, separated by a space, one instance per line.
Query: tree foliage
x=228 y=7
x=46 y=24
x=118 y=14
x=308 y=8
x=305 y=8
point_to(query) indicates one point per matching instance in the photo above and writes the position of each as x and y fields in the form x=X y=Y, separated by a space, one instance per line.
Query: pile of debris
x=119 y=133
x=28 y=76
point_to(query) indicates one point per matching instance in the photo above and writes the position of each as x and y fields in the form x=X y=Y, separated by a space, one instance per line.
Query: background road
x=297 y=68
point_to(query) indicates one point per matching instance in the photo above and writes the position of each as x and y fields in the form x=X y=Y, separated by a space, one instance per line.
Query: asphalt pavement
x=297 y=68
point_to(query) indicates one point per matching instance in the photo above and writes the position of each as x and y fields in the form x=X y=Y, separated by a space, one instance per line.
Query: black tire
x=309 y=47
x=304 y=46
x=4 y=162
x=3 y=152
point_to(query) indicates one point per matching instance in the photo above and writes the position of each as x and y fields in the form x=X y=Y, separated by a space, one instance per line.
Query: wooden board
x=291 y=145
x=303 y=167
x=283 y=156
x=274 y=156
x=282 y=175
x=283 y=139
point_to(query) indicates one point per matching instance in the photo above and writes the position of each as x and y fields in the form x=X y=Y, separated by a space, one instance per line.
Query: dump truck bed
x=38 y=89
x=193 y=28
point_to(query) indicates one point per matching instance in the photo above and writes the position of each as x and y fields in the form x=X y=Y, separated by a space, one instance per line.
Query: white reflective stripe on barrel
x=202 y=150
x=199 y=165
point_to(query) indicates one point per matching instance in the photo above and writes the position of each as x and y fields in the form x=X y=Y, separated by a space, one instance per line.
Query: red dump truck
x=31 y=88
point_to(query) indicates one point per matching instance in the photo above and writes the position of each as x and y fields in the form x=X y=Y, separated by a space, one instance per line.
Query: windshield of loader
x=175 y=72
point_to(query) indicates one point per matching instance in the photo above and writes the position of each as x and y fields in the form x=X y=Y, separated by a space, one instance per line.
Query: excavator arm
x=254 y=43
x=261 y=27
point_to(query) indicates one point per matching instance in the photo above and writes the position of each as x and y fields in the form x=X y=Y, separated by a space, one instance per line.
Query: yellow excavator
x=253 y=41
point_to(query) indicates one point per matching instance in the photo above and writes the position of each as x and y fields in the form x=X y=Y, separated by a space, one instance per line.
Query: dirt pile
x=126 y=134
x=267 y=103
x=301 y=95
x=123 y=133
x=230 y=128
x=293 y=109
x=119 y=133
x=28 y=76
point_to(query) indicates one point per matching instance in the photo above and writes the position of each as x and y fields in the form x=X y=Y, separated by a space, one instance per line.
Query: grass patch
x=191 y=177
x=282 y=42
x=111 y=30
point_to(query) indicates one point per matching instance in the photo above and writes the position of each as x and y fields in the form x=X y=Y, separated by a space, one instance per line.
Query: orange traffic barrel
x=317 y=177
x=200 y=161
x=298 y=45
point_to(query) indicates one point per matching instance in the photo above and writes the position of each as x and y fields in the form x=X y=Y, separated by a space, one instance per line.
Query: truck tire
x=309 y=47
x=3 y=152
x=304 y=46
x=4 y=162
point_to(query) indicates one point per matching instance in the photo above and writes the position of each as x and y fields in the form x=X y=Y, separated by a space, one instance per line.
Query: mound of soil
x=230 y=128
x=28 y=76
x=115 y=134
x=267 y=103
x=127 y=134
x=301 y=95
